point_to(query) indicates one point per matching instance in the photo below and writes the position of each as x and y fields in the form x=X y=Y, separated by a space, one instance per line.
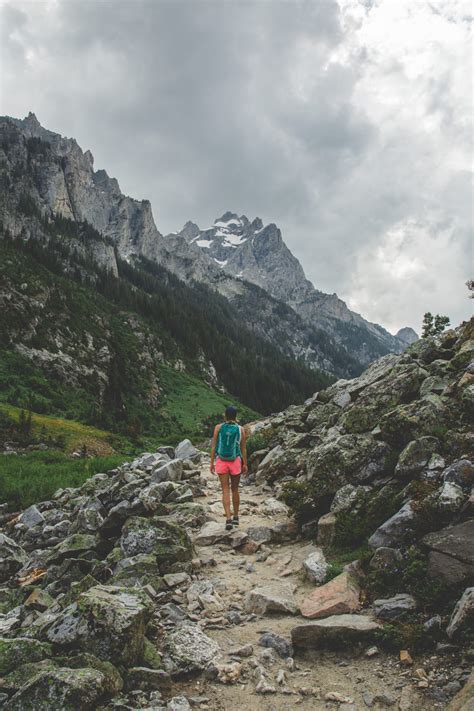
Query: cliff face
x=257 y=253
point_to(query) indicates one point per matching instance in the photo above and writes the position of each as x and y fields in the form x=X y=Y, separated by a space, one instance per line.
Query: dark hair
x=230 y=412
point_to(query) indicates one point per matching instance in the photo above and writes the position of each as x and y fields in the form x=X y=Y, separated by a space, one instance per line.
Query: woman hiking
x=229 y=444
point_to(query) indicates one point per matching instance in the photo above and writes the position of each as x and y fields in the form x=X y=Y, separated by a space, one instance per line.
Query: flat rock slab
x=455 y=541
x=212 y=533
x=336 y=630
x=339 y=596
x=275 y=597
x=394 y=608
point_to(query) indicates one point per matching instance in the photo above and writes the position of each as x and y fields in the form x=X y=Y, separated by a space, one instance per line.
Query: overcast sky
x=348 y=123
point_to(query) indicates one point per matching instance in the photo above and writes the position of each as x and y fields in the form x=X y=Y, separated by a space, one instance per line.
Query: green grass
x=190 y=408
x=71 y=435
x=35 y=476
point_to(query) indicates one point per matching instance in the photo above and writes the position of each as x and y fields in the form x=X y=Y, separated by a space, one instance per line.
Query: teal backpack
x=228 y=442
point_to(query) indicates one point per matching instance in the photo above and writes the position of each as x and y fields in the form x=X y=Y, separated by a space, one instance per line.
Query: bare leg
x=224 y=480
x=234 y=482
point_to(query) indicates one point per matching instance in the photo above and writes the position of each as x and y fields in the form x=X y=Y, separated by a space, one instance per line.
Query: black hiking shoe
x=235 y=521
x=228 y=525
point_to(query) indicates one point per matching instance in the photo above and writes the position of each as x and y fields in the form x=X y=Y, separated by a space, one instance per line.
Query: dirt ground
x=347 y=672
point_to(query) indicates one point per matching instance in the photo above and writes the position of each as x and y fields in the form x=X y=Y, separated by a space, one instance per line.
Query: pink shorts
x=233 y=467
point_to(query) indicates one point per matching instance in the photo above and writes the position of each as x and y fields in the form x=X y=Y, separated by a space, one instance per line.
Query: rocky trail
x=279 y=677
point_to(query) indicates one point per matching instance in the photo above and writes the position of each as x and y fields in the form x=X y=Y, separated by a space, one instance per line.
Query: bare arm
x=213 y=447
x=243 y=449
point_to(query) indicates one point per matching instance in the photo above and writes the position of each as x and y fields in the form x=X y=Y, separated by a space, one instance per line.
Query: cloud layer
x=347 y=123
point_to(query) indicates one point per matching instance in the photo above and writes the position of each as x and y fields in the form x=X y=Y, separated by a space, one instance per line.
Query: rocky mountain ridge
x=54 y=175
x=257 y=253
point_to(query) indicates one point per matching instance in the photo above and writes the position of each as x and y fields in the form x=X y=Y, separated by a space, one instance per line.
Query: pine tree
x=433 y=325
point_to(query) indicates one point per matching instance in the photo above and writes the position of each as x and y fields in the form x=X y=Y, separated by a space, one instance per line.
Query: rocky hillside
x=257 y=253
x=45 y=176
x=129 y=593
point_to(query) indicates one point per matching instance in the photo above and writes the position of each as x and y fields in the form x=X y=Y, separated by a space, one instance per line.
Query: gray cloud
x=309 y=114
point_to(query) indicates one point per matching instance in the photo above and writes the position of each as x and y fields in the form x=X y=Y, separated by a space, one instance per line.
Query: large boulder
x=139 y=570
x=107 y=621
x=344 y=459
x=170 y=471
x=337 y=630
x=416 y=456
x=460 y=472
x=62 y=688
x=31 y=517
x=186 y=450
x=74 y=546
x=448 y=570
x=396 y=529
x=455 y=541
x=21 y=650
x=339 y=596
x=158 y=536
x=188 y=649
x=12 y=557
x=274 y=597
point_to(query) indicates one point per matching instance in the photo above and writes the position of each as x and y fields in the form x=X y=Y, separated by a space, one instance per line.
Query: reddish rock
x=339 y=596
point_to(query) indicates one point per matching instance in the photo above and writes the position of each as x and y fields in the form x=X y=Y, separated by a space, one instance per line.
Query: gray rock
x=167 y=541
x=178 y=703
x=12 y=557
x=395 y=529
x=462 y=619
x=278 y=643
x=168 y=450
x=189 y=649
x=316 y=567
x=416 y=456
x=433 y=625
x=171 y=471
x=394 y=608
x=260 y=534
x=455 y=541
x=450 y=497
x=107 y=621
x=31 y=517
x=186 y=450
x=461 y=473
x=61 y=688
x=347 y=496
x=336 y=629
x=274 y=597
x=211 y=533
x=448 y=570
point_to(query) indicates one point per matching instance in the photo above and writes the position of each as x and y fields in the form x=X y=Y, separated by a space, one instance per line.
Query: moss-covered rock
x=346 y=459
x=139 y=570
x=151 y=656
x=61 y=688
x=159 y=536
x=12 y=557
x=21 y=650
x=107 y=621
x=113 y=682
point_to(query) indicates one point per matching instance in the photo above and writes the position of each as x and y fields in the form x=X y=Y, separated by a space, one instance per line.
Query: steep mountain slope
x=257 y=253
x=44 y=174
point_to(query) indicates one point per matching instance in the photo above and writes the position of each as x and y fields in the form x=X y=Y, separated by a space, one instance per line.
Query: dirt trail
x=346 y=672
